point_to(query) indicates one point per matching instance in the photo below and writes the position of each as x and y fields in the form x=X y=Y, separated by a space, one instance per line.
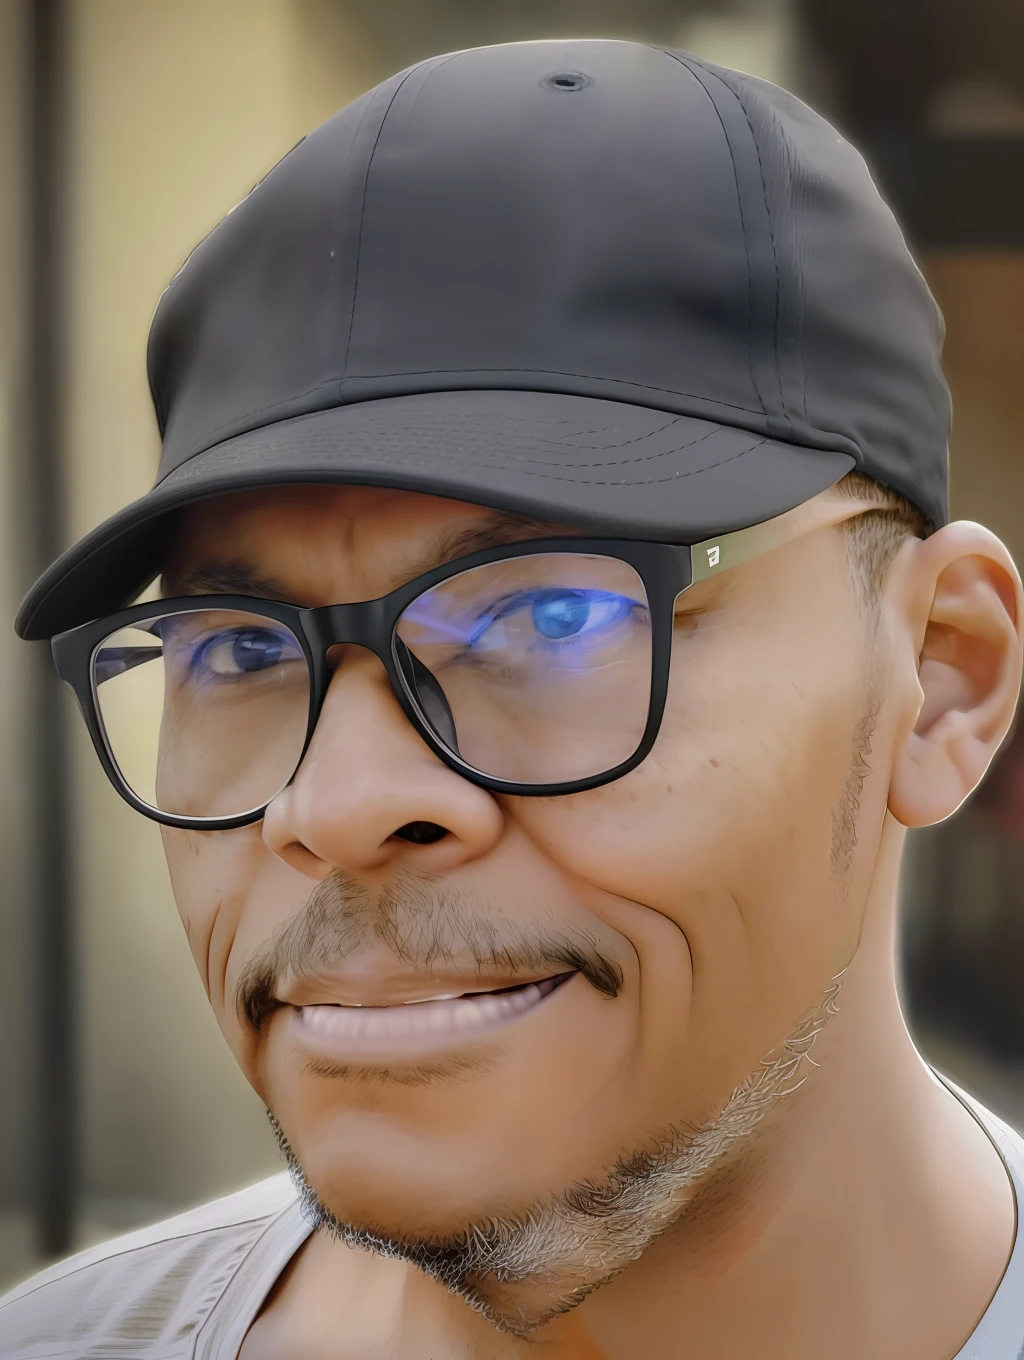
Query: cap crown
x=590 y=217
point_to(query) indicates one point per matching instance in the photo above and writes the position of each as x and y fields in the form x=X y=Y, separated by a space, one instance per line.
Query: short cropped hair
x=875 y=537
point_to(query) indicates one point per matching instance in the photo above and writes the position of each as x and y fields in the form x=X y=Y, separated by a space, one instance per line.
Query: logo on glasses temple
x=713 y=555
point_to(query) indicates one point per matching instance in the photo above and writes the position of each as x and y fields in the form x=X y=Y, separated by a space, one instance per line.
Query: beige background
x=13 y=658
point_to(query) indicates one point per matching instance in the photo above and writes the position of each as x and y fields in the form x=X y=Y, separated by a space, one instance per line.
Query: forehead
x=326 y=543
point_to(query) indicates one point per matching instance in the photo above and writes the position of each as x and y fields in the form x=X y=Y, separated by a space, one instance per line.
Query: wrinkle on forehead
x=326 y=545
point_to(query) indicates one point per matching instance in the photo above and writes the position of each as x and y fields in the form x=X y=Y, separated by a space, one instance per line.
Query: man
x=559 y=626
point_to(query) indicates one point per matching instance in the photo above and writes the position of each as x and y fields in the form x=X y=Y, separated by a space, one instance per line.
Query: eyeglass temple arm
x=714 y=555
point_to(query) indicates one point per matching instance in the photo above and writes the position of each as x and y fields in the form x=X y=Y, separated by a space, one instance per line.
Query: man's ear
x=959 y=595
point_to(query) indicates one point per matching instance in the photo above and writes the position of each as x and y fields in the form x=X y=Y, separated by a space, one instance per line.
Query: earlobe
x=969 y=669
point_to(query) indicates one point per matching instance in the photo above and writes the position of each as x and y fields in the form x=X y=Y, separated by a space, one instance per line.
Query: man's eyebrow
x=498 y=529
x=225 y=578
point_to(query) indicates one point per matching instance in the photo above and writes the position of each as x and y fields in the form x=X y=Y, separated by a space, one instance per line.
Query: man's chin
x=481 y=1265
x=497 y=1263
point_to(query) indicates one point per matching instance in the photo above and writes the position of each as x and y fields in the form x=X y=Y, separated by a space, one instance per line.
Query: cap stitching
x=436 y=372
x=556 y=445
x=557 y=373
x=413 y=70
x=791 y=168
x=690 y=66
x=463 y=461
x=523 y=465
x=771 y=235
x=520 y=460
x=579 y=431
x=647 y=481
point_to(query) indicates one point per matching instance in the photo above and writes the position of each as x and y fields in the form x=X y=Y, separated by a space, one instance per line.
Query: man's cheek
x=183 y=851
x=667 y=828
x=213 y=874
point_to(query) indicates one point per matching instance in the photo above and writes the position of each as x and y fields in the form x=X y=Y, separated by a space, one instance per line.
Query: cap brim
x=605 y=466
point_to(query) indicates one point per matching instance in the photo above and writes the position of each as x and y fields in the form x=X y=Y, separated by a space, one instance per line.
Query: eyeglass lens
x=533 y=669
x=204 y=712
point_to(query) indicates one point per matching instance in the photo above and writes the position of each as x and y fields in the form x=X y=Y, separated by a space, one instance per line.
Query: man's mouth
x=425 y=1023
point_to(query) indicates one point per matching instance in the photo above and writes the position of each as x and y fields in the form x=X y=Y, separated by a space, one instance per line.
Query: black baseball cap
x=596 y=282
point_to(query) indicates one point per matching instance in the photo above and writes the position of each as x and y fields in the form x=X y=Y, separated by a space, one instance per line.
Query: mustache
x=423 y=923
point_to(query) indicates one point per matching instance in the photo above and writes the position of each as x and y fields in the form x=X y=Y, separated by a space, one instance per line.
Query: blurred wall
x=13 y=656
x=982 y=299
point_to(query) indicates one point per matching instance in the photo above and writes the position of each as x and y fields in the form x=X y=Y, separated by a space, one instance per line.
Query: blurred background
x=127 y=129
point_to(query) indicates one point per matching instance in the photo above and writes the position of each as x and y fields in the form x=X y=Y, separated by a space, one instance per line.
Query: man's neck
x=883 y=1233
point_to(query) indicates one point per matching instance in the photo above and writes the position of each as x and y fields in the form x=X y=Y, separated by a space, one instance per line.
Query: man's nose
x=370 y=792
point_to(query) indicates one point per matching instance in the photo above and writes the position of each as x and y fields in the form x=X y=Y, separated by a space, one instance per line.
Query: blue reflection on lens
x=556 y=615
x=560 y=613
x=549 y=621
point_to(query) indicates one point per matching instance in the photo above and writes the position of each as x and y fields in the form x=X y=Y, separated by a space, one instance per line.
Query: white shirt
x=191 y=1287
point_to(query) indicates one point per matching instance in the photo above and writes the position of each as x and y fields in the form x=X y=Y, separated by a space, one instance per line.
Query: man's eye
x=243 y=652
x=570 y=613
x=556 y=614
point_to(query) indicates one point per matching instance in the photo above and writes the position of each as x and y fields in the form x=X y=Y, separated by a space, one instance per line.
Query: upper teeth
x=422 y=1000
x=419 y=1001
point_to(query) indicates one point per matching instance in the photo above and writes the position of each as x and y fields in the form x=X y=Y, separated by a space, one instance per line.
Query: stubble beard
x=521 y=1270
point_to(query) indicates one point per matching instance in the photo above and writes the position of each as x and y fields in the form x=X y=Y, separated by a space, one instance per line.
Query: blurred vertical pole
x=53 y=1136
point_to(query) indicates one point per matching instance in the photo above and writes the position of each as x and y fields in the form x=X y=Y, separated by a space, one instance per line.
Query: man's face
x=700 y=905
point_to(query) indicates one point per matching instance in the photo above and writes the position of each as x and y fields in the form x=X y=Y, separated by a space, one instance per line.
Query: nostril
x=421 y=833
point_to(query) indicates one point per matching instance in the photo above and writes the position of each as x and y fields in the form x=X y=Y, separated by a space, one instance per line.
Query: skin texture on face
x=706 y=903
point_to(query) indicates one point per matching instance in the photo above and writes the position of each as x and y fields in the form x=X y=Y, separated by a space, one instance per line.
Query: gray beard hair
x=571 y=1243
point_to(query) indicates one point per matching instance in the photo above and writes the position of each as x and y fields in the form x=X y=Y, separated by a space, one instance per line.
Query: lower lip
x=344 y=1033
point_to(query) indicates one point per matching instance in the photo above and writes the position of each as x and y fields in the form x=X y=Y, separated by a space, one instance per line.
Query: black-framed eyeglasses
x=537 y=668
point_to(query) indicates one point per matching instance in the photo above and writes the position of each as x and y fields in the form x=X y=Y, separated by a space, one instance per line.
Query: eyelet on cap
x=566 y=81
